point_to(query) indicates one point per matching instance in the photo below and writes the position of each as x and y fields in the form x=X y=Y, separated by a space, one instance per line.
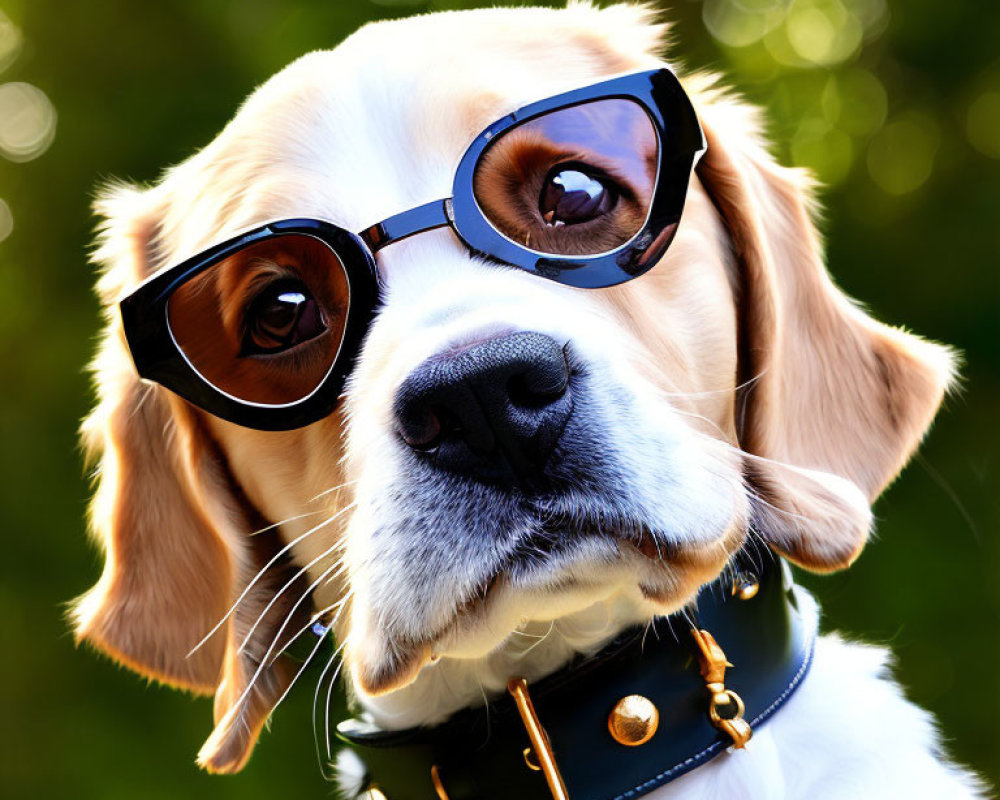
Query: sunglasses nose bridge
x=426 y=217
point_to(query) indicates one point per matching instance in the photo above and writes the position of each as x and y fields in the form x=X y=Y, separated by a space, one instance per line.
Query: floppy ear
x=840 y=398
x=173 y=532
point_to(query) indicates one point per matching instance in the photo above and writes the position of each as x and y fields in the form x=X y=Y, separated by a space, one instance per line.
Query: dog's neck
x=479 y=752
x=534 y=650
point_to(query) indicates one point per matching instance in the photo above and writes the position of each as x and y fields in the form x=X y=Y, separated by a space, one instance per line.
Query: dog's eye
x=570 y=196
x=283 y=315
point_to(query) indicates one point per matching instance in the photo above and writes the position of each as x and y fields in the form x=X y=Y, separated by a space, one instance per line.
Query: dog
x=727 y=399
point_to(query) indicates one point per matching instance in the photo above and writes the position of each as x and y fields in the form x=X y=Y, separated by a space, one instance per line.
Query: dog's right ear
x=173 y=532
x=167 y=572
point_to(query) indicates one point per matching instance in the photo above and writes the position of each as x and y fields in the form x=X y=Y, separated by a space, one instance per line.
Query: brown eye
x=283 y=315
x=570 y=196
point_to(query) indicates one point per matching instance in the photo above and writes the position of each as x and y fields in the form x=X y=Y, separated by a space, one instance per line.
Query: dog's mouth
x=559 y=568
x=545 y=561
x=560 y=534
x=540 y=559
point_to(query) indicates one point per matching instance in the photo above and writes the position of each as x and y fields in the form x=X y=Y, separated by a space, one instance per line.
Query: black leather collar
x=479 y=753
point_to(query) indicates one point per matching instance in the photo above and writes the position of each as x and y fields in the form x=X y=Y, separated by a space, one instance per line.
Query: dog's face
x=732 y=388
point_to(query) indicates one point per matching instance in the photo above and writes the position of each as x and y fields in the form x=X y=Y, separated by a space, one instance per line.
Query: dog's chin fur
x=477 y=661
x=529 y=627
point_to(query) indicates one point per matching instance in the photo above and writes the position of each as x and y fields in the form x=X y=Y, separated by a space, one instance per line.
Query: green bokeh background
x=897 y=108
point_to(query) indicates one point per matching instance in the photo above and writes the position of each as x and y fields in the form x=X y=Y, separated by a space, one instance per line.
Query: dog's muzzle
x=491 y=411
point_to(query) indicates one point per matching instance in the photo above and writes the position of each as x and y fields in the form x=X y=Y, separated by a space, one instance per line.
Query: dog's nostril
x=535 y=389
x=421 y=431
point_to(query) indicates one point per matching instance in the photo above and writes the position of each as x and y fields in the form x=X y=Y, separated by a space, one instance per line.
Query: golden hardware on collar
x=373 y=793
x=438 y=786
x=518 y=688
x=745 y=586
x=633 y=720
x=713 y=664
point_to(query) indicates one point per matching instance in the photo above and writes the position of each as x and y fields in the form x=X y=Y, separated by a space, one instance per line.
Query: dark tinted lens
x=266 y=324
x=577 y=181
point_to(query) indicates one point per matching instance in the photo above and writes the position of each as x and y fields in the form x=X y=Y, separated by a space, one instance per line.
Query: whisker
x=299 y=573
x=274 y=525
x=541 y=639
x=331 y=490
x=296 y=576
x=326 y=712
x=686 y=613
x=323 y=763
x=670 y=627
x=711 y=392
x=264 y=660
x=649 y=626
x=486 y=707
x=751 y=491
x=757 y=497
x=317 y=617
x=329 y=632
x=952 y=495
x=256 y=578
x=291 y=683
x=329 y=694
x=707 y=393
x=525 y=634
x=694 y=415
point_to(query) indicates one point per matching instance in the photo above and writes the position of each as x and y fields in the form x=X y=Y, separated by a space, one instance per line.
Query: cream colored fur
x=733 y=381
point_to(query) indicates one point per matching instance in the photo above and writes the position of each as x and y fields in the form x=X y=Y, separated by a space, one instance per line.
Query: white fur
x=359 y=133
x=847 y=733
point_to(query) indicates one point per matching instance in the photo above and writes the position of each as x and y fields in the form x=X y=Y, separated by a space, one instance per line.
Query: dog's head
x=509 y=451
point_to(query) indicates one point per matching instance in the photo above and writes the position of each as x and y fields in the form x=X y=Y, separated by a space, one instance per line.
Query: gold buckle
x=540 y=744
x=713 y=664
x=438 y=785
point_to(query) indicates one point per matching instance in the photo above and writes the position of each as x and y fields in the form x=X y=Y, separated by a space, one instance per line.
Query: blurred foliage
x=894 y=104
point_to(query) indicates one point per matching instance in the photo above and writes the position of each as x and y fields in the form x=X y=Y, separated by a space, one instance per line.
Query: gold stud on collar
x=745 y=586
x=372 y=793
x=633 y=720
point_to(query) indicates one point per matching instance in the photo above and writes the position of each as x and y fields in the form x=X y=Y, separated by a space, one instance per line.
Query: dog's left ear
x=833 y=403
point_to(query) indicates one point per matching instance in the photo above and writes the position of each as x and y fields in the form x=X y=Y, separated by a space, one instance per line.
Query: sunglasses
x=585 y=188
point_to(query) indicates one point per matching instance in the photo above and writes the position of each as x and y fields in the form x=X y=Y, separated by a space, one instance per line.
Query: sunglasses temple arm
x=436 y=214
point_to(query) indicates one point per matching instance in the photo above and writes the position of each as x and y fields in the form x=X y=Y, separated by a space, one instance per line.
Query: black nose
x=492 y=411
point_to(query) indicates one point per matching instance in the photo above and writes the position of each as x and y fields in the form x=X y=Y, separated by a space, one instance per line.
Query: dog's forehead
x=378 y=124
x=436 y=68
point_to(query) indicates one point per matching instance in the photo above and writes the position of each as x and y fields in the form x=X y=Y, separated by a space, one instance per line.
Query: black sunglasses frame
x=158 y=357
x=680 y=141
